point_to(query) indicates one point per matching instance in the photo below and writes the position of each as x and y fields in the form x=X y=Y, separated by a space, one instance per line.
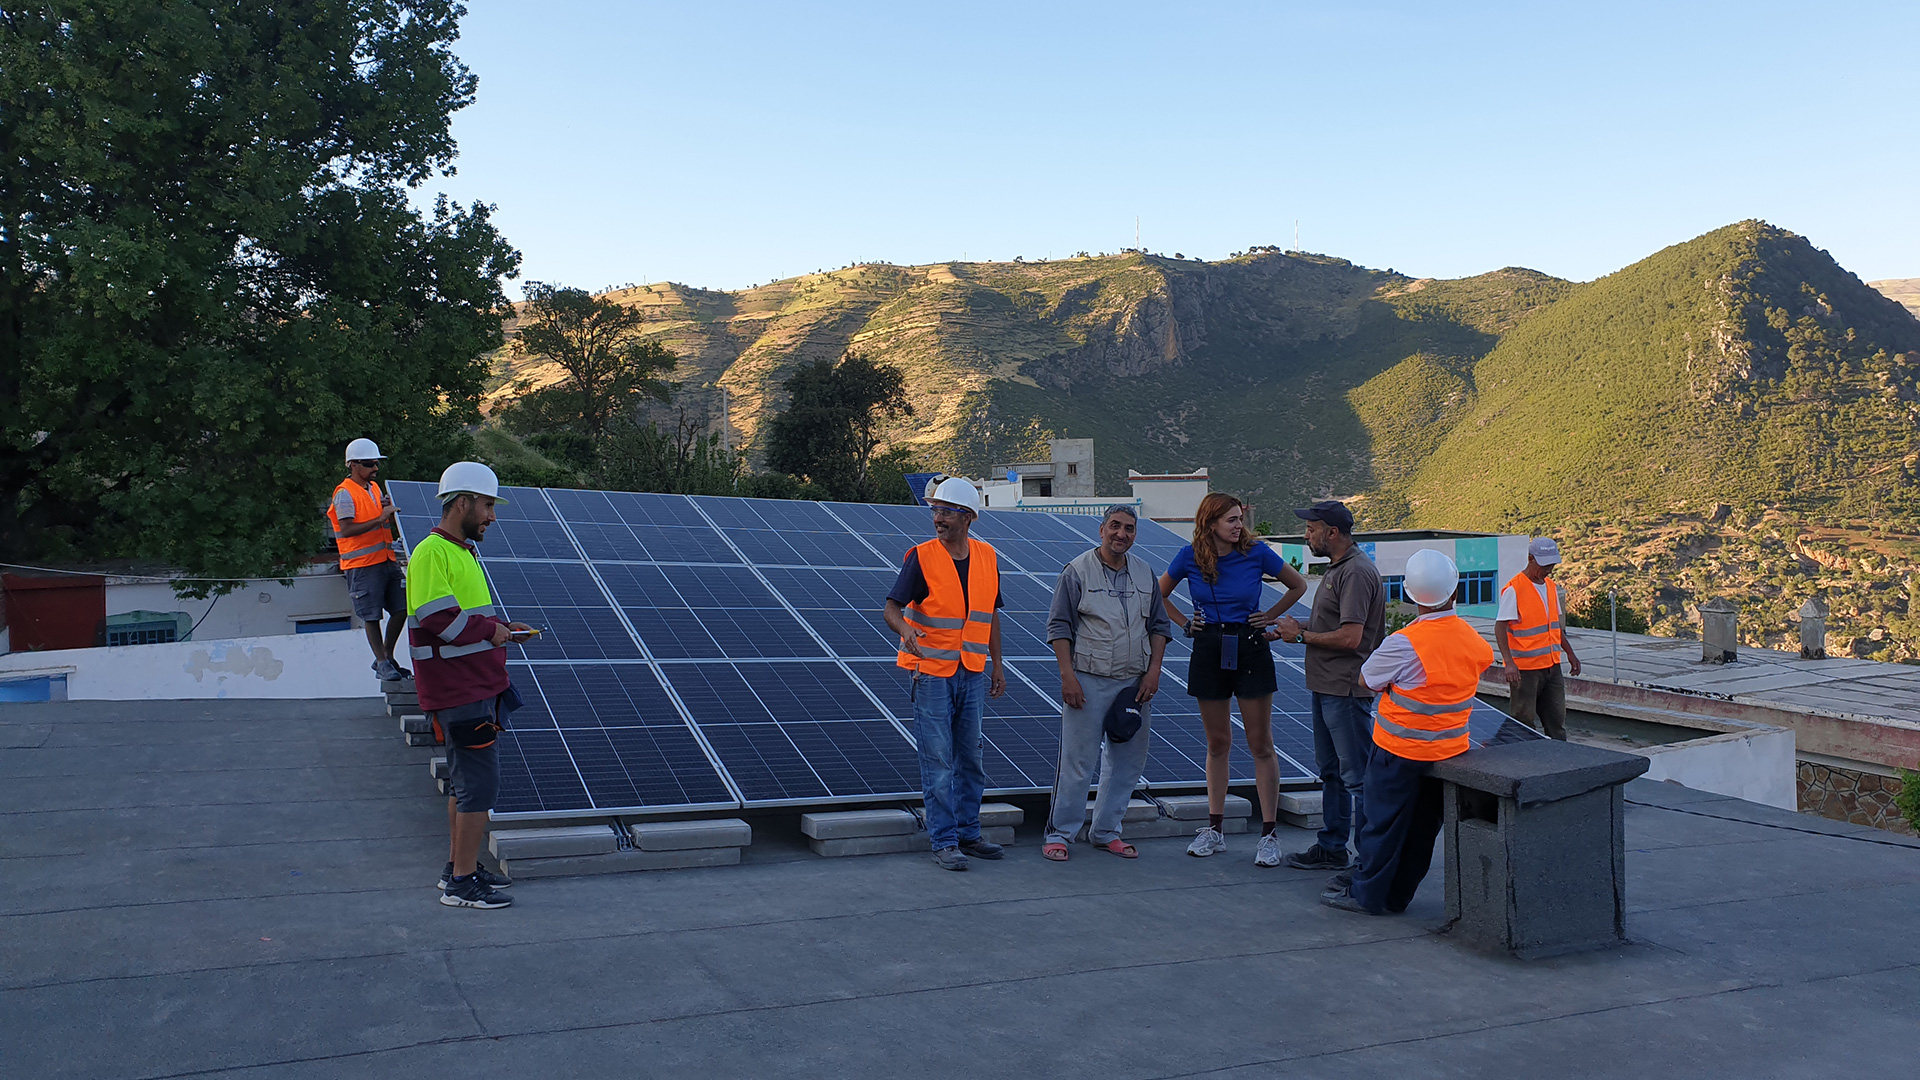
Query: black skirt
x=1254 y=677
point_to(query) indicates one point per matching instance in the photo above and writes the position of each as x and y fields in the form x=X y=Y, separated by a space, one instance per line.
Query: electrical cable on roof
x=203 y=618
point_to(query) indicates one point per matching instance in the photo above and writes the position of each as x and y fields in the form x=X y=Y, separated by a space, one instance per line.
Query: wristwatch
x=1301 y=638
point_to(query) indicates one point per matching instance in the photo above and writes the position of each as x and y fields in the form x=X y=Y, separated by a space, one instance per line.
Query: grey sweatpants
x=1083 y=737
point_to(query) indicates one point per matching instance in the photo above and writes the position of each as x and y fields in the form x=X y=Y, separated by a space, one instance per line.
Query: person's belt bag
x=1230 y=635
x=479 y=730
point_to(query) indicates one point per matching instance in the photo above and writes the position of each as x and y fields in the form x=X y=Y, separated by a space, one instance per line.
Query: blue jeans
x=946 y=724
x=1342 y=740
x=1404 y=812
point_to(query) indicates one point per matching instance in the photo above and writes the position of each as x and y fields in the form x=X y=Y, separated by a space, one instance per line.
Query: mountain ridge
x=1692 y=424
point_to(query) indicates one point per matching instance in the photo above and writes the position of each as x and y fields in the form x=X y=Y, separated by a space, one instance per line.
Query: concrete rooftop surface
x=1773 y=678
x=247 y=889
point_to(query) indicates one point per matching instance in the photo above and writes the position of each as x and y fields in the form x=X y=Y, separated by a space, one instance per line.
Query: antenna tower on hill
x=1296 y=234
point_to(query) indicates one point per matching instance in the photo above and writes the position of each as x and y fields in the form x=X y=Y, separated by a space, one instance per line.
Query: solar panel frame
x=685 y=756
x=557 y=770
x=697 y=555
x=756 y=720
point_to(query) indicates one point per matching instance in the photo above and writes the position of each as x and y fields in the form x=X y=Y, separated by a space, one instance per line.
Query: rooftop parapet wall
x=1855 y=710
x=288 y=666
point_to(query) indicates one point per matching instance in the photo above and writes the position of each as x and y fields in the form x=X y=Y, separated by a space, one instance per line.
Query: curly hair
x=1215 y=506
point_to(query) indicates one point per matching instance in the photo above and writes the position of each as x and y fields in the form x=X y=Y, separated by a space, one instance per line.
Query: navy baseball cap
x=1333 y=513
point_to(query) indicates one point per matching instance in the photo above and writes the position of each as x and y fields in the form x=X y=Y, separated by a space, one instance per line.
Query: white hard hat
x=363 y=450
x=1431 y=578
x=958 y=492
x=469 y=478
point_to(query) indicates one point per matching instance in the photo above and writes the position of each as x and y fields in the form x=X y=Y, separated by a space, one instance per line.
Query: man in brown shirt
x=1348 y=620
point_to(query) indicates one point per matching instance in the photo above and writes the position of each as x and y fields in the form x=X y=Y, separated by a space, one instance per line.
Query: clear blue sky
x=724 y=145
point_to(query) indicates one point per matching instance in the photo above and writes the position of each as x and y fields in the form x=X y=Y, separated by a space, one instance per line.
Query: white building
x=77 y=611
x=1486 y=560
x=1169 y=498
x=1066 y=474
x=1064 y=485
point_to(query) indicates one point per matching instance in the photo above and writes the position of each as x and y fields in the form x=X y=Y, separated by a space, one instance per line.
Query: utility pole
x=1613 y=622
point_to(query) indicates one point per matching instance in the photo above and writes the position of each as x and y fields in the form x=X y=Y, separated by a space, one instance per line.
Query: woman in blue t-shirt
x=1222 y=569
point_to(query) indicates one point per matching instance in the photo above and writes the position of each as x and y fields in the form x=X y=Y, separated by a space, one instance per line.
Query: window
x=144 y=628
x=1476 y=587
x=143 y=633
x=1073 y=468
x=1046 y=489
x=1396 y=587
x=322 y=625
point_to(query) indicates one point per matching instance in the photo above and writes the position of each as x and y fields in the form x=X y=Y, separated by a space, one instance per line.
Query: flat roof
x=1841 y=687
x=232 y=885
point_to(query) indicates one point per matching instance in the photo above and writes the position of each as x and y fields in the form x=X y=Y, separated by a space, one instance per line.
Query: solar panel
x=706 y=652
x=594 y=738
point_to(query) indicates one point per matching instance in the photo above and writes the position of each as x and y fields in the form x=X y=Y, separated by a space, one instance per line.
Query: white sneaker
x=1207 y=842
x=1268 y=854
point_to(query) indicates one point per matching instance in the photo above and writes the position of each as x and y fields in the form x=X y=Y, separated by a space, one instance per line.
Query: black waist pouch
x=1230 y=635
x=477 y=726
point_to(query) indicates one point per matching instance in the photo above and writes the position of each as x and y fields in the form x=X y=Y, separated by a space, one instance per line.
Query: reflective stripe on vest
x=368 y=548
x=462 y=586
x=956 y=629
x=1534 y=636
x=1429 y=722
x=459 y=622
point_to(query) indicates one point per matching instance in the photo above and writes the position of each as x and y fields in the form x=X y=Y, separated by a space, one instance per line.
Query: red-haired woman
x=1223 y=568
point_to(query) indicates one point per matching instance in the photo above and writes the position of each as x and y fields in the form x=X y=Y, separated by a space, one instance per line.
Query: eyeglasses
x=948 y=511
x=366 y=464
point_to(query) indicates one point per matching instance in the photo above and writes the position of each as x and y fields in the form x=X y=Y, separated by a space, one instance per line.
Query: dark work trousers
x=1403 y=817
x=1540 y=701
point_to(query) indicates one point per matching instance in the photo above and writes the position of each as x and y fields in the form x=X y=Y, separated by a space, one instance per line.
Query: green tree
x=211 y=277
x=610 y=371
x=831 y=428
x=1597 y=614
x=689 y=460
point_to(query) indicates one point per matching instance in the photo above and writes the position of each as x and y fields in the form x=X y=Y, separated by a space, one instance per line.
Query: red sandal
x=1121 y=848
x=1054 y=852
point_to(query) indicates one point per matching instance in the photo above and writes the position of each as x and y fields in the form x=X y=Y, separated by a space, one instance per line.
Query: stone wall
x=1846 y=795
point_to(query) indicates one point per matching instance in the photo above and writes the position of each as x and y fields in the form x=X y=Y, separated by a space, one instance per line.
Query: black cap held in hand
x=1123 y=716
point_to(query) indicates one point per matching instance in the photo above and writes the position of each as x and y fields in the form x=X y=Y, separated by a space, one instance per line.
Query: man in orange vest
x=1426 y=676
x=1532 y=636
x=362 y=519
x=945 y=606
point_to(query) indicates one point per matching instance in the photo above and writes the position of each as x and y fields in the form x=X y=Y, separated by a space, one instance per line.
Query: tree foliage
x=610 y=371
x=831 y=429
x=1598 y=613
x=688 y=460
x=211 y=277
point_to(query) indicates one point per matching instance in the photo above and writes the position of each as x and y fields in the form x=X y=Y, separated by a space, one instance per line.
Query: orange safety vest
x=1535 y=636
x=370 y=548
x=954 y=630
x=1430 y=723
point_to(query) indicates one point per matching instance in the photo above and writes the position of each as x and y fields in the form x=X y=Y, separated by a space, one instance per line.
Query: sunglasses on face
x=941 y=511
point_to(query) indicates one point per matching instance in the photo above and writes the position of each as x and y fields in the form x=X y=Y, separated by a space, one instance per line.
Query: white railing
x=1085 y=507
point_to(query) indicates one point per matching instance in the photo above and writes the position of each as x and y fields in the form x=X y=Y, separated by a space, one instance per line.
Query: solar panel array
x=712 y=653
